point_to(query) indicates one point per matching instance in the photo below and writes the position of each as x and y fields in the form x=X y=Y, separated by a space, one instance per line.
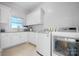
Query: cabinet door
x=12 y=39
x=40 y=42
x=36 y=39
x=46 y=44
x=32 y=37
x=23 y=37
x=6 y=41
x=19 y=38
x=34 y=18
x=43 y=46
x=15 y=38
x=5 y=14
x=29 y=36
x=28 y=22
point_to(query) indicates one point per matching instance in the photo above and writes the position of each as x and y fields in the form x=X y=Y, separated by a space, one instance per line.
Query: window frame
x=16 y=22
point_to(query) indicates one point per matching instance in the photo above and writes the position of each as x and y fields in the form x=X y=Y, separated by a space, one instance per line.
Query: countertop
x=25 y=32
x=14 y=32
x=66 y=34
x=62 y=34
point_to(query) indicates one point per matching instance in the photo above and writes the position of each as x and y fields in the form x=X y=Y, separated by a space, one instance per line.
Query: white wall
x=60 y=14
x=7 y=12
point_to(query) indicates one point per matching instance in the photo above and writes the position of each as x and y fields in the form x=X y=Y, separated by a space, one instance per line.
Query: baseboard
x=14 y=46
x=32 y=44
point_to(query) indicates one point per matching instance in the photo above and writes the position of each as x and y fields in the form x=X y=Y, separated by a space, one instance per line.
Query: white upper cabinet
x=36 y=17
x=4 y=14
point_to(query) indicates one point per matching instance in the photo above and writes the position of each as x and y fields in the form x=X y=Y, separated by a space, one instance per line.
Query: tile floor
x=25 y=49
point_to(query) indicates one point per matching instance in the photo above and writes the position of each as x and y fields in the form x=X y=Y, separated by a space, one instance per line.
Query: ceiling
x=24 y=6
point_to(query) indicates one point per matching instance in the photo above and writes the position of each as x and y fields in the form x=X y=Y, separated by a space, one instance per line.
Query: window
x=16 y=22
